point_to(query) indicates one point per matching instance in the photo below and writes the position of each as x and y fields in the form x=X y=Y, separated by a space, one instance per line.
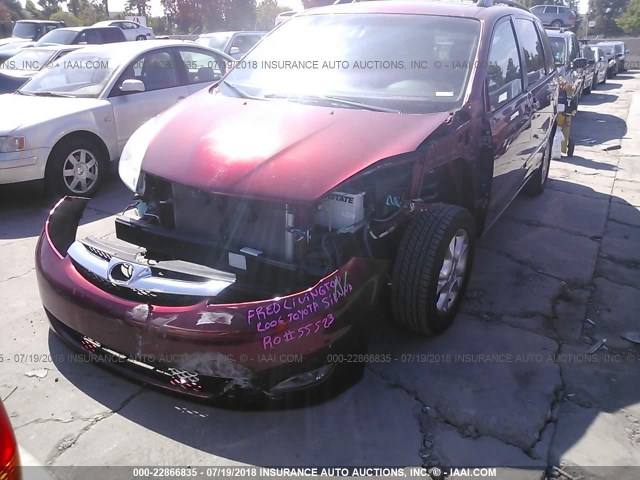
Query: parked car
x=70 y=121
x=17 y=70
x=602 y=65
x=555 y=15
x=25 y=34
x=589 y=71
x=25 y=31
x=569 y=62
x=284 y=16
x=82 y=36
x=612 y=61
x=132 y=30
x=69 y=36
x=10 y=468
x=272 y=209
x=235 y=44
x=619 y=53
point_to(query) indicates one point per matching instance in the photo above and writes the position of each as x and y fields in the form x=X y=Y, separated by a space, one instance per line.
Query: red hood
x=276 y=149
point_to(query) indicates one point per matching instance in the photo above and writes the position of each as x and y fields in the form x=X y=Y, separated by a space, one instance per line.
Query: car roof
x=231 y=32
x=56 y=47
x=446 y=8
x=558 y=33
x=136 y=48
x=81 y=29
x=57 y=22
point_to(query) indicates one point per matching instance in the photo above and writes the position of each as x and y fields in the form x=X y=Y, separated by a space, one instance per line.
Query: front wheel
x=556 y=23
x=538 y=181
x=432 y=269
x=141 y=37
x=75 y=167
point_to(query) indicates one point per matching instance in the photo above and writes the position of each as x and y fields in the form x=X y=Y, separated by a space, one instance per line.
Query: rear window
x=58 y=37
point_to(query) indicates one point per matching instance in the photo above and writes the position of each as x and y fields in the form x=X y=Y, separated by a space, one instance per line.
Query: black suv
x=82 y=35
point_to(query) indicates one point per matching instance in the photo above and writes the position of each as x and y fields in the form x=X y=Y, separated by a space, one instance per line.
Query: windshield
x=29 y=59
x=608 y=49
x=57 y=37
x=410 y=63
x=217 y=41
x=77 y=74
x=559 y=49
x=25 y=30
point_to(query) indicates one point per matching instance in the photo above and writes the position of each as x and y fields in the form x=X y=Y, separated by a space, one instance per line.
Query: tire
x=141 y=37
x=571 y=148
x=557 y=23
x=538 y=181
x=83 y=178
x=419 y=263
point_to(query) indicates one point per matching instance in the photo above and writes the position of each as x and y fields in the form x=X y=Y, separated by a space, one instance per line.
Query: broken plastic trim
x=63 y=222
x=126 y=272
x=304 y=379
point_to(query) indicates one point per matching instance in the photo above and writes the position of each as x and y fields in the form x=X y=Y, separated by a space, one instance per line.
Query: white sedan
x=132 y=30
x=70 y=120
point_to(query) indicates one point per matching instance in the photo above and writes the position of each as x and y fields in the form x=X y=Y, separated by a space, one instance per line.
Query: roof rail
x=509 y=3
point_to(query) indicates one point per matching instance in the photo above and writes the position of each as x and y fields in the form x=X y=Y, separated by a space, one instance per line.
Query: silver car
x=619 y=50
x=236 y=44
x=132 y=30
x=555 y=16
x=71 y=120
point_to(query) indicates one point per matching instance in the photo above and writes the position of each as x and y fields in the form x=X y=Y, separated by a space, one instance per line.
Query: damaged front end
x=253 y=298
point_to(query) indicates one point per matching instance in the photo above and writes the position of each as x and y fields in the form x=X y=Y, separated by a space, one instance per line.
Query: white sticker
x=444 y=94
x=238 y=261
x=502 y=97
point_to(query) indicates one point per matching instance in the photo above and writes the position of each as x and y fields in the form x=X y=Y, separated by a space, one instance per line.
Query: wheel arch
x=84 y=135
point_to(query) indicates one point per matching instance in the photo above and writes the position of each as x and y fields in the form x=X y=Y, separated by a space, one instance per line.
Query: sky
x=156 y=6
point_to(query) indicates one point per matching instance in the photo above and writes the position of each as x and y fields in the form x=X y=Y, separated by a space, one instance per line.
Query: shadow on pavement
x=577 y=160
x=518 y=303
x=598 y=128
x=597 y=98
x=24 y=207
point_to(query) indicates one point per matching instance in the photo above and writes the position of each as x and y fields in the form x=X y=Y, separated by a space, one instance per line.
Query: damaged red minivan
x=356 y=148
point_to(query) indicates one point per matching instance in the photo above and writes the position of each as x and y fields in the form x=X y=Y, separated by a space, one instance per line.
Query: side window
x=244 y=42
x=552 y=10
x=93 y=36
x=504 y=74
x=156 y=70
x=548 y=51
x=532 y=50
x=202 y=67
x=573 y=49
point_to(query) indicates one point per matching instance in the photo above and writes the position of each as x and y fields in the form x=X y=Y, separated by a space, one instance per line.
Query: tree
x=10 y=10
x=316 y=3
x=197 y=16
x=266 y=13
x=629 y=21
x=91 y=12
x=67 y=17
x=33 y=10
x=605 y=13
x=49 y=7
x=137 y=7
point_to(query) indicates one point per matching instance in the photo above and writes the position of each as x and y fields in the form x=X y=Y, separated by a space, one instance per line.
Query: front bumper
x=23 y=166
x=203 y=349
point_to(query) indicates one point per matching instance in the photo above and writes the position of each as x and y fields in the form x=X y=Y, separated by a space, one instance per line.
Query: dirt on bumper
x=203 y=349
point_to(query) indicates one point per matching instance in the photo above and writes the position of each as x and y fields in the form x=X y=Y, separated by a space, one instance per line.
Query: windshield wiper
x=53 y=94
x=240 y=92
x=334 y=100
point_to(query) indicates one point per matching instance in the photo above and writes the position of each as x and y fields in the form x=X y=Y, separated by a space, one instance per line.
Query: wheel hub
x=452 y=273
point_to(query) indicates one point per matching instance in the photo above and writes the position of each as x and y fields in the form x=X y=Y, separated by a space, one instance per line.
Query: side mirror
x=602 y=59
x=132 y=85
x=234 y=51
x=591 y=62
x=579 y=63
x=619 y=55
